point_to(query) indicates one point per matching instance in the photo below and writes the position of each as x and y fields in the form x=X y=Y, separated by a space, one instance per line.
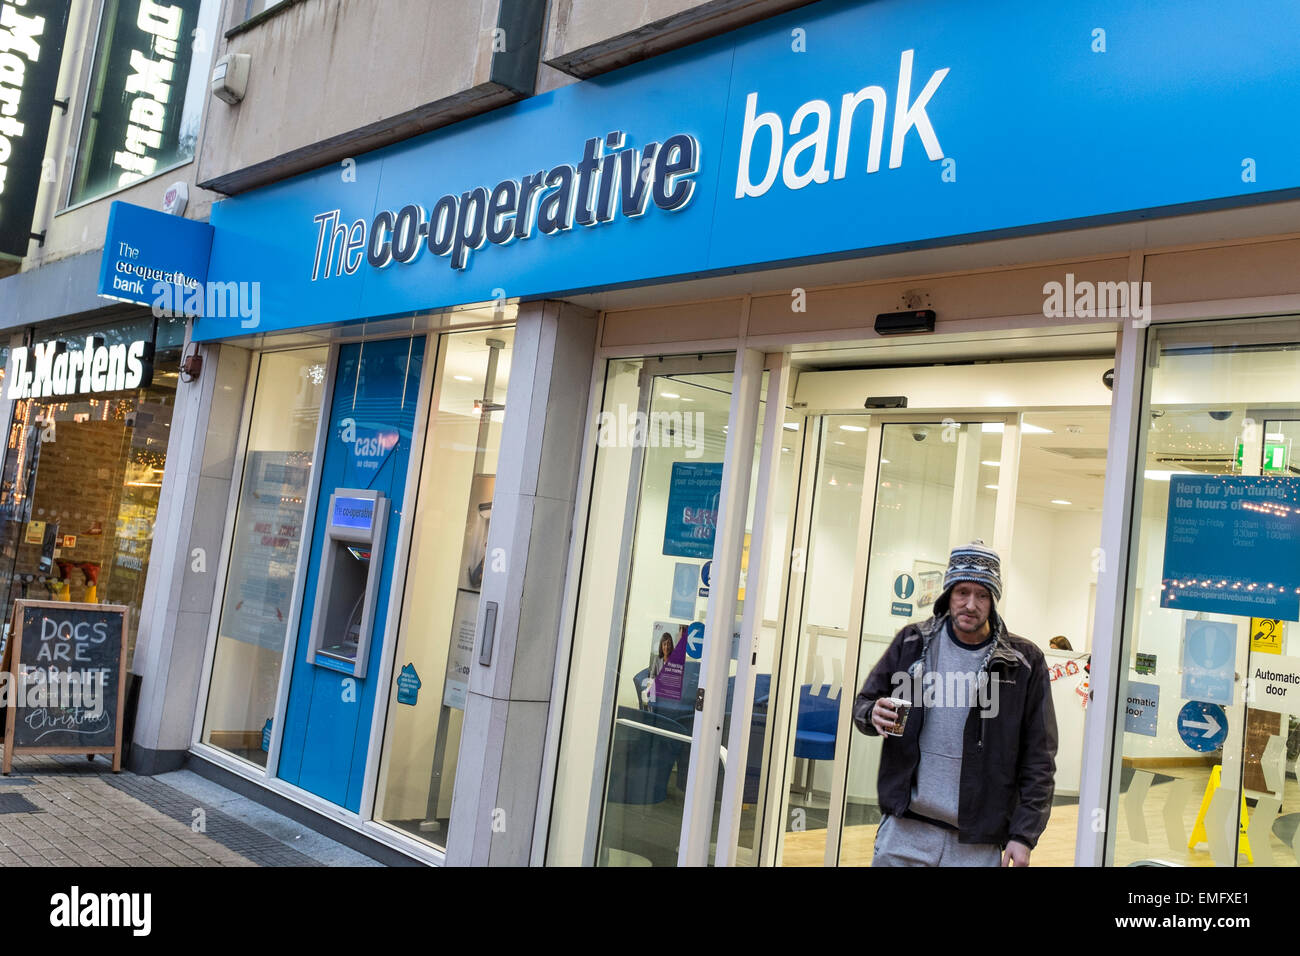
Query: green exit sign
x=1277 y=455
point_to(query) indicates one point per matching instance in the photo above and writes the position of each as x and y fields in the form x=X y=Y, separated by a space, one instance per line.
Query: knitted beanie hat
x=976 y=563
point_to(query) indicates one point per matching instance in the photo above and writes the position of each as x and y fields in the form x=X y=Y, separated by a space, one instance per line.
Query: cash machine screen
x=355 y=513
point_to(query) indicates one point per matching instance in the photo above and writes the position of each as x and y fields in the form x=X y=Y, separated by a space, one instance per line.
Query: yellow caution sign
x=1265 y=635
x=1198 y=830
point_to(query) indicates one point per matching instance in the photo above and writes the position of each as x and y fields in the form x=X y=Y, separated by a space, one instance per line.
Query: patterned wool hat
x=977 y=563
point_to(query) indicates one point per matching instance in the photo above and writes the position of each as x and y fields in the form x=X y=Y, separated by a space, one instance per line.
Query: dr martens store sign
x=31 y=46
x=838 y=130
x=50 y=369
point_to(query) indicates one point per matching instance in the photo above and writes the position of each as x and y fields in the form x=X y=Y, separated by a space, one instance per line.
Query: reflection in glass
x=649 y=538
x=81 y=482
x=448 y=556
x=264 y=552
x=1214 y=409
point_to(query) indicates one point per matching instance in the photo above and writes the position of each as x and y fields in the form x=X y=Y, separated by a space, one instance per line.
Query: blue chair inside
x=641 y=761
x=814 y=736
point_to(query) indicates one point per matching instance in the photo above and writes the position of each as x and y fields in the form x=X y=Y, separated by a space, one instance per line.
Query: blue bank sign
x=153 y=258
x=837 y=130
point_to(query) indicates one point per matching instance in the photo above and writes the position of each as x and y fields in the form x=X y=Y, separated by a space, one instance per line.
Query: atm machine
x=348 y=586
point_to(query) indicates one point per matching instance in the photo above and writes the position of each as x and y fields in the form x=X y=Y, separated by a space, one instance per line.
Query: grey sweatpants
x=904 y=842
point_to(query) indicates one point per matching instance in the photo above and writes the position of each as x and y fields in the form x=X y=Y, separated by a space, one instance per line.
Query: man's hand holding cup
x=889 y=715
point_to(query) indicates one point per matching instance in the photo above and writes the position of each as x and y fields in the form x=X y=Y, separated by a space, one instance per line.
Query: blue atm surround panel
x=372 y=414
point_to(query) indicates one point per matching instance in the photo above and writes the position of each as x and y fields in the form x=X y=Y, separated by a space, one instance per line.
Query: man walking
x=967 y=765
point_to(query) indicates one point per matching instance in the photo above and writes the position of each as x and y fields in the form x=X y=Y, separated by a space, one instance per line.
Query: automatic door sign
x=1141 y=708
x=1202 y=726
x=1275 y=684
x=904 y=588
x=706 y=574
x=1209 y=654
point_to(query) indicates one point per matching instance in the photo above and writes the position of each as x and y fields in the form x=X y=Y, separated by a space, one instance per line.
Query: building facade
x=580 y=419
x=103 y=102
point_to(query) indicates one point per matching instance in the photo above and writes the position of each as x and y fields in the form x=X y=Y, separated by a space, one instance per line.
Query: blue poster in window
x=1141 y=708
x=682 y=604
x=1231 y=546
x=693 y=491
x=1209 y=659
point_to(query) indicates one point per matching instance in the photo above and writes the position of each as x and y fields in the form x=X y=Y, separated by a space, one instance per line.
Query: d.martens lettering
x=50 y=368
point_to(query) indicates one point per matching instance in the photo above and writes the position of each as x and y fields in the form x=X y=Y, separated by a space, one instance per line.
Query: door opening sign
x=1231 y=546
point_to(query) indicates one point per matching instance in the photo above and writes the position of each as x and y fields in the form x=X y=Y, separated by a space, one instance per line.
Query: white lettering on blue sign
x=610 y=179
x=907 y=116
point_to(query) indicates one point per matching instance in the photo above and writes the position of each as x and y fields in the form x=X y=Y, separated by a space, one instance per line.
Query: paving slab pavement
x=68 y=811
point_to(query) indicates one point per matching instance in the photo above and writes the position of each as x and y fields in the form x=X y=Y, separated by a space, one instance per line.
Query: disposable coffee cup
x=904 y=707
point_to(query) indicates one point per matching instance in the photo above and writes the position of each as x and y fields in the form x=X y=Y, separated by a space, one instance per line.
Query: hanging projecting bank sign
x=31 y=46
x=837 y=130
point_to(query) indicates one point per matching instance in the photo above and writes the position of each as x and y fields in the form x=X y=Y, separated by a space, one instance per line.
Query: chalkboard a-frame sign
x=65 y=676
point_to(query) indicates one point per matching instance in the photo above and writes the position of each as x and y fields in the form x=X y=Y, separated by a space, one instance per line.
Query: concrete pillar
x=176 y=610
x=494 y=803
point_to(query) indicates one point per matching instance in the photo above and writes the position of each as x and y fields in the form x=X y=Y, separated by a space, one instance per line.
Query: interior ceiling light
x=1061 y=501
x=669 y=395
x=852 y=428
x=996 y=428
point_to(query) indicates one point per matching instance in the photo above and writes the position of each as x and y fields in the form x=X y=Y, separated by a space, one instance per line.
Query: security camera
x=918 y=434
x=1221 y=416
